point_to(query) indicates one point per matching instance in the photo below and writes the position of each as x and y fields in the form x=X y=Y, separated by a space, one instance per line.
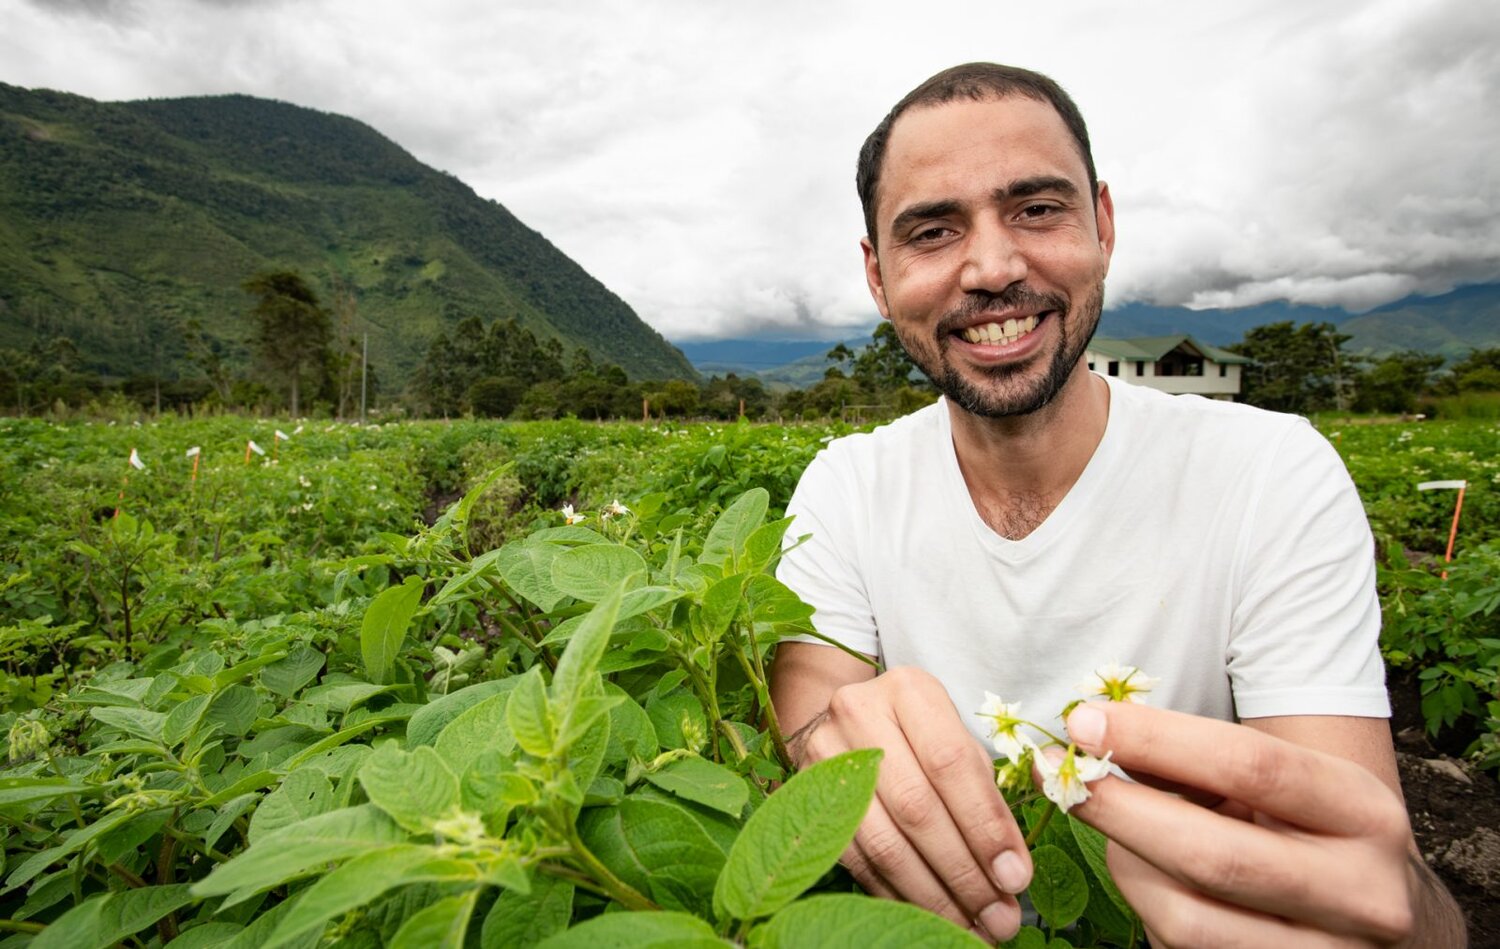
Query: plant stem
x=1041 y=824
x=763 y=693
x=20 y=926
x=616 y=888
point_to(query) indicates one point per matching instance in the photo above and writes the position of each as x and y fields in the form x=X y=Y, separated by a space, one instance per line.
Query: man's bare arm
x=938 y=833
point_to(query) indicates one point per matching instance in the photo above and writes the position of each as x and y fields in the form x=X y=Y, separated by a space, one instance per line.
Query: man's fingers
x=885 y=862
x=1231 y=761
x=964 y=779
x=1229 y=860
x=1180 y=917
x=913 y=835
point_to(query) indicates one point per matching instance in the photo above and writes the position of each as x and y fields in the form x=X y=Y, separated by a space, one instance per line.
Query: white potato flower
x=1065 y=782
x=1118 y=683
x=1005 y=718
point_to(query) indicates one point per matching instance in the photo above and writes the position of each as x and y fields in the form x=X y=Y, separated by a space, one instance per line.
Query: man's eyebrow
x=922 y=212
x=1030 y=187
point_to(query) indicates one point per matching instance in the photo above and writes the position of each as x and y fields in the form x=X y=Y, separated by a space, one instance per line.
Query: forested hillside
x=122 y=222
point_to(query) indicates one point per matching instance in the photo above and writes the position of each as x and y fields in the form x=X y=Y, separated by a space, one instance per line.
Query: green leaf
x=797 y=835
x=461 y=582
x=491 y=787
x=475 y=731
x=848 y=919
x=529 y=718
x=1094 y=847
x=415 y=788
x=292 y=850
x=646 y=599
x=27 y=869
x=639 y=931
x=576 y=668
x=23 y=790
x=520 y=921
x=182 y=719
x=228 y=814
x=1059 y=890
x=592 y=572
x=234 y=711
x=1029 y=937
x=133 y=721
x=102 y=921
x=304 y=793
x=720 y=604
x=771 y=601
x=440 y=926
x=726 y=539
x=527 y=569
x=384 y=627
x=764 y=545
x=428 y=722
x=658 y=849
x=700 y=780
x=361 y=880
x=288 y=675
x=631 y=734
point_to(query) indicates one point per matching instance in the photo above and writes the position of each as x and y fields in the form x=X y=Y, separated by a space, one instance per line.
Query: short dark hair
x=976 y=81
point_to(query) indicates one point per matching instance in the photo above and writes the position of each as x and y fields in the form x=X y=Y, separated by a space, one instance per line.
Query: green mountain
x=120 y=222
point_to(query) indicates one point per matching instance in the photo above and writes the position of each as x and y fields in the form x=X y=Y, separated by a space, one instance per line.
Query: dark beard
x=1011 y=393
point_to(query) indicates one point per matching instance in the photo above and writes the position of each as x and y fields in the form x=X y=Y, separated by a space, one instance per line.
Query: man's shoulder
x=1194 y=415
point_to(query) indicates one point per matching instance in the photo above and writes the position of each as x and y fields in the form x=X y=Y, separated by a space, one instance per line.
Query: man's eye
x=929 y=234
x=1034 y=211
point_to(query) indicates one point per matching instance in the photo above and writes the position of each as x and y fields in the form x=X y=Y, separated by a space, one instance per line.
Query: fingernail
x=999 y=920
x=1011 y=872
x=1086 y=726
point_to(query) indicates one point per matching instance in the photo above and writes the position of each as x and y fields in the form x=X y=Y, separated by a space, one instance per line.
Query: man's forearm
x=1437 y=922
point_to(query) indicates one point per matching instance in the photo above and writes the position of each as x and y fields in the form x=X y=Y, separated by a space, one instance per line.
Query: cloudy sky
x=697 y=155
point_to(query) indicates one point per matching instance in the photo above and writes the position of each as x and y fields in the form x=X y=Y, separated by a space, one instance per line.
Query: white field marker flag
x=251 y=446
x=195 y=453
x=135 y=461
x=276 y=441
x=1458 y=506
x=297 y=430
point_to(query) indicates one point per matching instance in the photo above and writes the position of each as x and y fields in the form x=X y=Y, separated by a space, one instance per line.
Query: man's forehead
x=1015 y=125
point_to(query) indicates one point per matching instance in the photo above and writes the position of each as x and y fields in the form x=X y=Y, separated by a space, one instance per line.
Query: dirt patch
x=1455 y=813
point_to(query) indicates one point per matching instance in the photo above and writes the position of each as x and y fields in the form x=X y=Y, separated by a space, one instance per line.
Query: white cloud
x=698 y=158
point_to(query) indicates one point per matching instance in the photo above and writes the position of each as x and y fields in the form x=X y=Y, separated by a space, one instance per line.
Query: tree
x=292 y=330
x=1394 y=383
x=1296 y=368
x=884 y=363
x=1478 y=372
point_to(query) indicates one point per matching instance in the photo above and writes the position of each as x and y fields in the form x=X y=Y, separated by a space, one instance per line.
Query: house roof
x=1152 y=348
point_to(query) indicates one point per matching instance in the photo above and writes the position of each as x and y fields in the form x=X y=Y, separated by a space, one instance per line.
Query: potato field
x=495 y=685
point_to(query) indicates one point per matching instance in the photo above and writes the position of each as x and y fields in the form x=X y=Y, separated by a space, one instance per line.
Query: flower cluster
x=1064 y=780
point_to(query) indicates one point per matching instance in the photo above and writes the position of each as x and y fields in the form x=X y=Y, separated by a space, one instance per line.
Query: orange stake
x=1453 y=531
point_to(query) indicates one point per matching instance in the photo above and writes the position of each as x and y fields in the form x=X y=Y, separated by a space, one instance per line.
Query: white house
x=1176 y=364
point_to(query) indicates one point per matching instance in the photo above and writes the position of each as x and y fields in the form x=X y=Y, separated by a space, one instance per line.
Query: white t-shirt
x=1218 y=547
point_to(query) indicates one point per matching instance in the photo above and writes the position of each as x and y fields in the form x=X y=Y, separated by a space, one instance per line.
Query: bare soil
x=1455 y=813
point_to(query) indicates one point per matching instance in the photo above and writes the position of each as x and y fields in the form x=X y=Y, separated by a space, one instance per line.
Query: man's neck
x=1019 y=469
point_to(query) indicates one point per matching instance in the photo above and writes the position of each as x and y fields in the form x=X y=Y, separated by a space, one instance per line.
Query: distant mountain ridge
x=1448 y=324
x=121 y=221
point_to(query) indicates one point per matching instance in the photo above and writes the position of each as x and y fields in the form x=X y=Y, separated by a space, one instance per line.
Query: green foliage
x=271 y=706
x=1296 y=368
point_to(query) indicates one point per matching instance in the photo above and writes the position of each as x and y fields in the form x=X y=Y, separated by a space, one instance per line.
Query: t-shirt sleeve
x=1304 y=637
x=823 y=570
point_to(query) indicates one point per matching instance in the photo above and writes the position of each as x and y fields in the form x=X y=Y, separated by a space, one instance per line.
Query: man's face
x=992 y=253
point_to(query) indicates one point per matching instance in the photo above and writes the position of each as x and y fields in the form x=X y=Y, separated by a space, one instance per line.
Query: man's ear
x=873 y=278
x=1104 y=216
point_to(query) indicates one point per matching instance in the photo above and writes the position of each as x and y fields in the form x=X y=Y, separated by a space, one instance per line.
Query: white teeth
x=999 y=334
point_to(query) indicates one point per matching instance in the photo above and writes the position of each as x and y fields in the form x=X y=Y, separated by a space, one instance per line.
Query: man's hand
x=1302 y=848
x=938 y=833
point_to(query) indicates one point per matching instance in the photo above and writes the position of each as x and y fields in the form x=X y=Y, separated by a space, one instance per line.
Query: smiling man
x=1040 y=521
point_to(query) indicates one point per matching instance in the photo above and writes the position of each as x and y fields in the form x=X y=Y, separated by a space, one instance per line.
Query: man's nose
x=993 y=259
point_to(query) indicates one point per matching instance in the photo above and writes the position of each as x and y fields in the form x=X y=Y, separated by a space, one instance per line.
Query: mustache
x=1014 y=297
